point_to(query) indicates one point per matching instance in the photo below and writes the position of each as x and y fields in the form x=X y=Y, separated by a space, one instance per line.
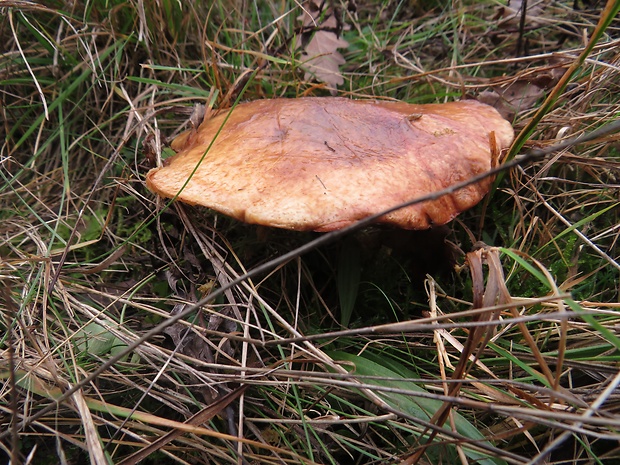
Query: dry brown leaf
x=320 y=58
x=525 y=90
x=513 y=99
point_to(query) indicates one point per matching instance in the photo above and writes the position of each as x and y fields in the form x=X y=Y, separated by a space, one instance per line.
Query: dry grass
x=92 y=263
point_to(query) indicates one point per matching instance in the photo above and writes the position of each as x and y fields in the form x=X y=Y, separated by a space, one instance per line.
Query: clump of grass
x=92 y=261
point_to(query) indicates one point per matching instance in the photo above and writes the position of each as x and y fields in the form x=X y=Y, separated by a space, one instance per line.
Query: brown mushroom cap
x=323 y=163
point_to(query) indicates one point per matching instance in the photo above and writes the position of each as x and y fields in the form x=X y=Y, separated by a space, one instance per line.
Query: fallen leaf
x=320 y=58
x=513 y=99
x=187 y=340
x=523 y=93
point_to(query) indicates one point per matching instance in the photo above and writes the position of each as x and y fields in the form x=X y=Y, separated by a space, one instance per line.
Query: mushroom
x=323 y=163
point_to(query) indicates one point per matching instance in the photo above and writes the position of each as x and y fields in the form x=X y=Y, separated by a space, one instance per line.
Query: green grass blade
x=419 y=407
x=349 y=272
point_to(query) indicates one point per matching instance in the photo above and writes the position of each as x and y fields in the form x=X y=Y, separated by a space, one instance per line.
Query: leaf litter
x=514 y=91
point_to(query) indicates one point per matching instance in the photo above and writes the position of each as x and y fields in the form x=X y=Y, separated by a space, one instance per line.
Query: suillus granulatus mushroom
x=323 y=163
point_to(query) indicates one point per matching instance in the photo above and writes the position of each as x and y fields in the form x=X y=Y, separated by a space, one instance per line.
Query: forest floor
x=134 y=327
